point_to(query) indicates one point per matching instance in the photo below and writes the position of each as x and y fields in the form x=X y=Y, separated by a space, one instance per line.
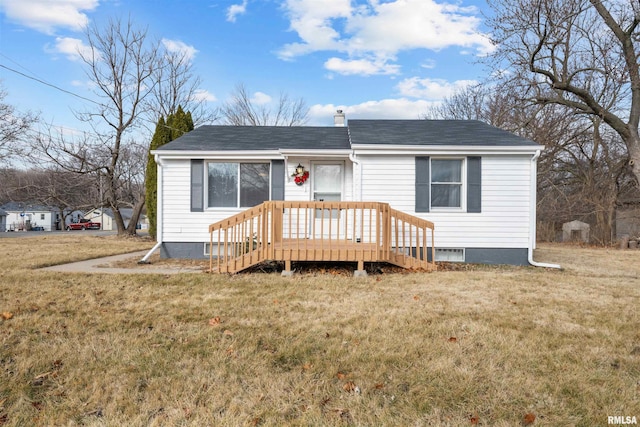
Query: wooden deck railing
x=320 y=231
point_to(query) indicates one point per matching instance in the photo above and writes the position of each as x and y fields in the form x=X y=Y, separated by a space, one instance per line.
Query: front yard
x=499 y=346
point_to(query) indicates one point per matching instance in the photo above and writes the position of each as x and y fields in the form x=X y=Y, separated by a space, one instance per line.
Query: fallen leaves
x=529 y=419
x=474 y=419
x=6 y=315
x=453 y=339
x=349 y=386
x=215 y=321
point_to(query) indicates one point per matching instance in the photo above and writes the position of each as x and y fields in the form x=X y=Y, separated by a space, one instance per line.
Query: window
x=42 y=217
x=446 y=183
x=232 y=185
x=451 y=184
x=451 y=255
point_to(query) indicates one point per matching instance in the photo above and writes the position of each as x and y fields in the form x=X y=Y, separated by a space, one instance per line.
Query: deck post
x=360 y=272
x=287 y=272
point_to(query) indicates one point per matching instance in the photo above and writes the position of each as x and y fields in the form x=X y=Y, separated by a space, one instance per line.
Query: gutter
x=532 y=215
x=145 y=259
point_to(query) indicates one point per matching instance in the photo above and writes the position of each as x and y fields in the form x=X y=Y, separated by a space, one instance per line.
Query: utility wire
x=50 y=85
x=69 y=92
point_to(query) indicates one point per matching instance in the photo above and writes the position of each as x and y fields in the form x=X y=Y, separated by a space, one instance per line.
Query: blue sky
x=370 y=58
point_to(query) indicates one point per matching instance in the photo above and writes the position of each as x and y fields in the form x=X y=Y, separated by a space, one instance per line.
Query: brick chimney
x=339 y=119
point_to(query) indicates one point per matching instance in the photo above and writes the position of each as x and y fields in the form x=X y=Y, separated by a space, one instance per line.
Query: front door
x=327 y=181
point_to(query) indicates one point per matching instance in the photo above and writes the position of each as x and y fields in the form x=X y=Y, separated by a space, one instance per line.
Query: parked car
x=83 y=224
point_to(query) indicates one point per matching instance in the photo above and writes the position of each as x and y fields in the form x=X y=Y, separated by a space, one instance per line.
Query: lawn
x=491 y=346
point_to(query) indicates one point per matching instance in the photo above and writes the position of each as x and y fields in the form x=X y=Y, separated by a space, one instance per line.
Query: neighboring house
x=3 y=221
x=475 y=182
x=26 y=217
x=106 y=217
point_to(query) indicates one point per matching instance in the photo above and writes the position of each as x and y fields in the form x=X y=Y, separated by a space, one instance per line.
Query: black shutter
x=197 y=185
x=423 y=184
x=474 y=184
x=277 y=179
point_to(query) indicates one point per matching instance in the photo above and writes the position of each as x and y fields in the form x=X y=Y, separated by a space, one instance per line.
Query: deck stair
x=321 y=231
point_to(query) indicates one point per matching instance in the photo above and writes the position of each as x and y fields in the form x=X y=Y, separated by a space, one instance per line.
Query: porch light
x=299 y=169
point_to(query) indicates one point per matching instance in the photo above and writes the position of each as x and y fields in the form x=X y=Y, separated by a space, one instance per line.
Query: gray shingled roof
x=27 y=206
x=232 y=138
x=431 y=132
x=358 y=132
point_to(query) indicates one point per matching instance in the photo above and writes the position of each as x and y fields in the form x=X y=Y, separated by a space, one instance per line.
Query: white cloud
x=47 y=15
x=401 y=108
x=204 y=95
x=381 y=30
x=71 y=47
x=414 y=24
x=364 y=67
x=236 y=9
x=312 y=20
x=177 y=46
x=429 y=64
x=260 y=98
x=433 y=89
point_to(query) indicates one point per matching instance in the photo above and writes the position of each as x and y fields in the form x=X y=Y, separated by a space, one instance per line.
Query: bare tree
x=120 y=62
x=177 y=85
x=52 y=187
x=581 y=54
x=13 y=126
x=242 y=110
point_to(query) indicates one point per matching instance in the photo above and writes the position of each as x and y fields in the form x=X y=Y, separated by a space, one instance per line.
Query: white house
x=26 y=216
x=105 y=216
x=475 y=182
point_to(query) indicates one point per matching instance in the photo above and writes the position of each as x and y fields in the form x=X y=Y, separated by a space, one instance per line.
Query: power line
x=41 y=81
x=51 y=85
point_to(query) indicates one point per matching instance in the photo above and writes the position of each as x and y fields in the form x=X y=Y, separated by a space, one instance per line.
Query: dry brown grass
x=491 y=344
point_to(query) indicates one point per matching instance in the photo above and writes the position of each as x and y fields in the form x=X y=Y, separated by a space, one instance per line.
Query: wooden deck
x=321 y=231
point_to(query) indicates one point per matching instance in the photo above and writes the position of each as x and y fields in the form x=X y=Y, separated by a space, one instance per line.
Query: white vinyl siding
x=179 y=224
x=503 y=223
x=506 y=192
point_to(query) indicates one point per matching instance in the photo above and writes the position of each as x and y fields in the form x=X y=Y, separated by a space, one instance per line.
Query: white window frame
x=463 y=186
x=238 y=163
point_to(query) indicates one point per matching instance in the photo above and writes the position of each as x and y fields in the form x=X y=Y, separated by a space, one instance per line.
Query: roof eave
x=249 y=154
x=361 y=149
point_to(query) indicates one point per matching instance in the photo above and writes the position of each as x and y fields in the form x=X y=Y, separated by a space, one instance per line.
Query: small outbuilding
x=3 y=221
x=575 y=231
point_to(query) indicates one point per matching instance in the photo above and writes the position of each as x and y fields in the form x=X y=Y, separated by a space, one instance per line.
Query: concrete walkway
x=93 y=266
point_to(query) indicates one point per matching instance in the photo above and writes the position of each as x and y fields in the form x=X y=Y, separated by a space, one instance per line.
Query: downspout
x=354 y=160
x=532 y=215
x=145 y=259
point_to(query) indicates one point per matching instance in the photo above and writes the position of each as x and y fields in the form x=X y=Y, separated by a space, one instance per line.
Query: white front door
x=328 y=182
